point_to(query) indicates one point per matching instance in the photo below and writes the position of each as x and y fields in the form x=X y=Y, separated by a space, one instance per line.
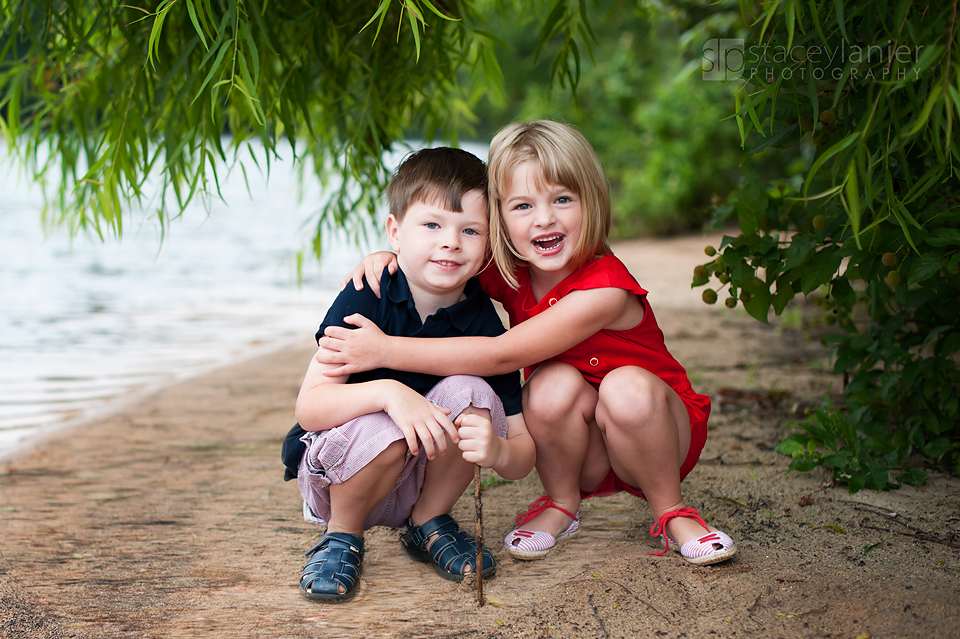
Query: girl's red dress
x=641 y=346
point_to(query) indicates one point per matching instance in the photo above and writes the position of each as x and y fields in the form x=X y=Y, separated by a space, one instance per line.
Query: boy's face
x=440 y=250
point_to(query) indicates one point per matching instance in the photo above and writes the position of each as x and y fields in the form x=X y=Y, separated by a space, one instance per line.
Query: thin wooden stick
x=478 y=564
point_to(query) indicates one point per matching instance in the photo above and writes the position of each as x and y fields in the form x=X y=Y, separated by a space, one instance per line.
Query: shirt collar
x=398 y=290
x=462 y=314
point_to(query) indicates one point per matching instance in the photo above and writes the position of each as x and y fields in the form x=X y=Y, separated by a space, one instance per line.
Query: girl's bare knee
x=552 y=392
x=631 y=397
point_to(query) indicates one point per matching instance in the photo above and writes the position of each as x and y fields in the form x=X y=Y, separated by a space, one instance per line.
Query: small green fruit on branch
x=828 y=119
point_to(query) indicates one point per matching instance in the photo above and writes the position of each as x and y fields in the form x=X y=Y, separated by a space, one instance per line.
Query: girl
x=607 y=405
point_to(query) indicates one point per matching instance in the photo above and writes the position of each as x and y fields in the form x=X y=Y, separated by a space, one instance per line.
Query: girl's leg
x=647 y=432
x=559 y=407
x=352 y=500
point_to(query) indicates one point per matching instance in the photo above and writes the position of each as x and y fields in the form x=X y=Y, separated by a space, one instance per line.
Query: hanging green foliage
x=147 y=103
x=863 y=96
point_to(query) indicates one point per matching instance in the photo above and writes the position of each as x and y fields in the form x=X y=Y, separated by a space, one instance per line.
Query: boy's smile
x=440 y=250
x=544 y=222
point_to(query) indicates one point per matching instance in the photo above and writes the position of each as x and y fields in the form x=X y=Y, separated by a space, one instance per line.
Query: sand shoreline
x=40 y=436
x=170 y=518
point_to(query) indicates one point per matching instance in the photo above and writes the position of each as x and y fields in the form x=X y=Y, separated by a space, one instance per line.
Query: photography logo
x=729 y=59
x=723 y=59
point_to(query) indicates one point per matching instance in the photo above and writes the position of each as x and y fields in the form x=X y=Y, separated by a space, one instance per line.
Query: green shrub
x=870 y=216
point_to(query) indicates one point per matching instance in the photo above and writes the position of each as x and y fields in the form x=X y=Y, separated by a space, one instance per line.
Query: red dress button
x=594 y=361
x=552 y=301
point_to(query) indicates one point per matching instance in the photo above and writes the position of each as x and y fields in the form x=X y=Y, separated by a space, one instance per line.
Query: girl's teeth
x=549 y=242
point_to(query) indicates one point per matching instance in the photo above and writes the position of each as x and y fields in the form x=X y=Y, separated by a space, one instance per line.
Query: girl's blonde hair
x=565 y=158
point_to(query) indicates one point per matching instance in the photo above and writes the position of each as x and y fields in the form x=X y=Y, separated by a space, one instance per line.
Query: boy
x=376 y=451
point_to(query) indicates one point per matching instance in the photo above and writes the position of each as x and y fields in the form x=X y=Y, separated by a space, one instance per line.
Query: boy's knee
x=474 y=410
x=459 y=391
x=455 y=383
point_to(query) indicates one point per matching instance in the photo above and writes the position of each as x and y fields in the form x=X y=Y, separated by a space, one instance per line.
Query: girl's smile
x=548 y=245
x=544 y=222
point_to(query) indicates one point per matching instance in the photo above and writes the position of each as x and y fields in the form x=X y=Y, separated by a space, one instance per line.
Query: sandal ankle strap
x=538 y=506
x=352 y=542
x=659 y=527
x=418 y=535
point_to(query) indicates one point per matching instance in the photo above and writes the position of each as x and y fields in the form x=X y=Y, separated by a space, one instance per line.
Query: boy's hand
x=480 y=445
x=420 y=418
x=356 y=350
x=371 y=267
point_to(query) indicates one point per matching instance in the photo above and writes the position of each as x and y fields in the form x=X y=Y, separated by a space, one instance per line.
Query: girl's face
x=544 y=225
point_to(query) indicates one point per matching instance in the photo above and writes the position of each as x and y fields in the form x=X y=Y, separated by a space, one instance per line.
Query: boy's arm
x=318 y=407
x=511 y=458
x=574 y=318
x=327 y=402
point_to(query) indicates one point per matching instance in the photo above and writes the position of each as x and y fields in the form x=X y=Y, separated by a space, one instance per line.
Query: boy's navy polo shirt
x=395 y=314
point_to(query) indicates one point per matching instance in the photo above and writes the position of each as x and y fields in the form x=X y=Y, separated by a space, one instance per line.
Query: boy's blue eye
x=432 y=225
x=471 y=231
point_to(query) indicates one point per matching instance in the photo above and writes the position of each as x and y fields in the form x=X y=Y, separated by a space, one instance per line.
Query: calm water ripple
x=85 y=323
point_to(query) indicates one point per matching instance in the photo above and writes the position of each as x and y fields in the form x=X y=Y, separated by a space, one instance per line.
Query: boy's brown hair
x=441 y=175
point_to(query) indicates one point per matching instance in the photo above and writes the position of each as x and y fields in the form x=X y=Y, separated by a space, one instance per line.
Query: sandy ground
x=170 y=518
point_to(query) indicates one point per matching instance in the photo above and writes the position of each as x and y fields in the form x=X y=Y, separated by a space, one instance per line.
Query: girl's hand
x=371 y=267
x=480 y=445
x=355 y=350
x=419 y=418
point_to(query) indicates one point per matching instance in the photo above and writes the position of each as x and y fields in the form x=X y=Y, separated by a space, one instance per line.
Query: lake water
x=85 y=324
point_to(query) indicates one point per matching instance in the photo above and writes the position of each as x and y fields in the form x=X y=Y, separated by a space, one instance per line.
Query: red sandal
x=535 y=544
x=714 y=547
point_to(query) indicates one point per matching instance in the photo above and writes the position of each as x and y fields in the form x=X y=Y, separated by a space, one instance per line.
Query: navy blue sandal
x=333 y=562
x=451 y=551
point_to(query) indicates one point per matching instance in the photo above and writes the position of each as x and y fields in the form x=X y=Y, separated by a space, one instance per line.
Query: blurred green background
x=664 y=135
